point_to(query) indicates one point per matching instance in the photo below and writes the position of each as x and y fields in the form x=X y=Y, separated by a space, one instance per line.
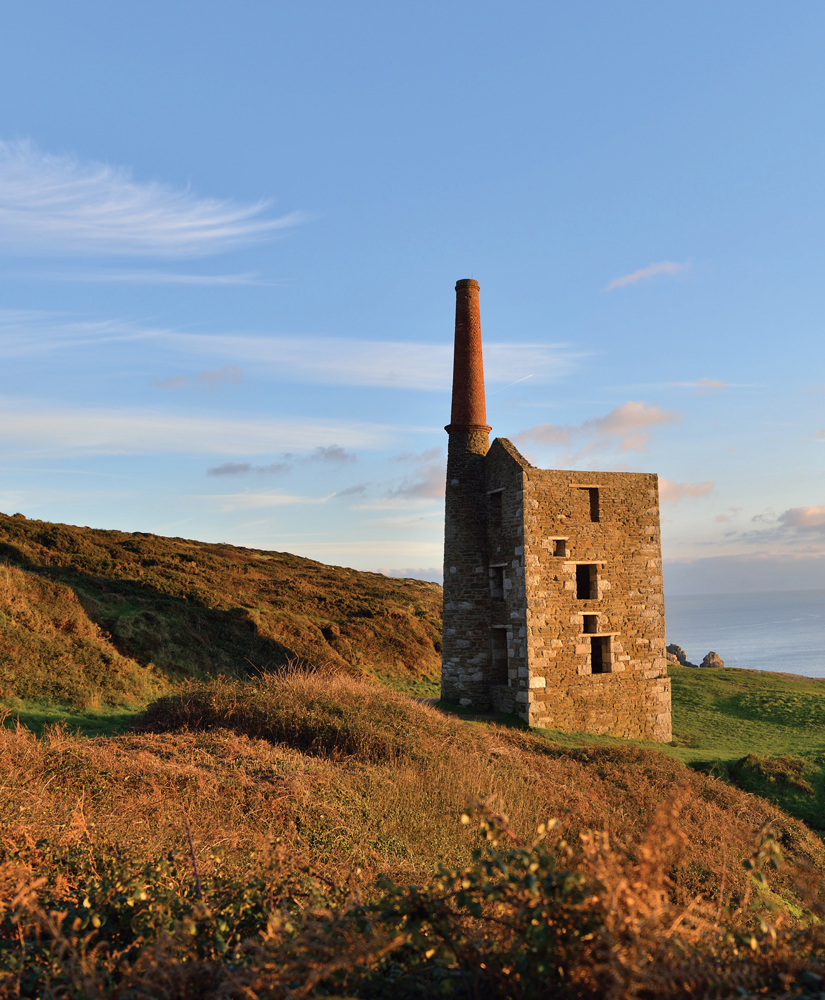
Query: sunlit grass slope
x=91 y=617
x=52 y=652
x=764 y=731
x=730 y=713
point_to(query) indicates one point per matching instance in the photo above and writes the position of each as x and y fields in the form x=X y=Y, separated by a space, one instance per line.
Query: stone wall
x=581 y=557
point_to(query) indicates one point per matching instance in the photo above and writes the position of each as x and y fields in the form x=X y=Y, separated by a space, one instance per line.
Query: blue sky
x=229 y=237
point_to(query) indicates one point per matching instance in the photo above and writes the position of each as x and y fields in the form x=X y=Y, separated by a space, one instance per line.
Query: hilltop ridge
x=123 y=612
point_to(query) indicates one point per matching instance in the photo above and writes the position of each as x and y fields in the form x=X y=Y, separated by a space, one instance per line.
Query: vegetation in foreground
x=330 y=858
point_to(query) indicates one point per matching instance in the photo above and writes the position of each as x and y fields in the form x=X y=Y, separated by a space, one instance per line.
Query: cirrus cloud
x=37 y=428
x=58 y=205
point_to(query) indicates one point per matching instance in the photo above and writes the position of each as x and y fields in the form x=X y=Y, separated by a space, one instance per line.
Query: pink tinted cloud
x=671 y=492
x=627 y=426
x=729 y=514
x=804 y=519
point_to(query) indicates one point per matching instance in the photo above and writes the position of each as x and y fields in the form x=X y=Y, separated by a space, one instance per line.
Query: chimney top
x=469 y=411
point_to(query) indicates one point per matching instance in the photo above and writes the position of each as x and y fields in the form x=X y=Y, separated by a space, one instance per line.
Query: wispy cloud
x=145 y=277
x=31 y=332
x=671 y=492
x=703 y=386
x=651 y=271
x=729 y=514
x=228 y=375
x=244 y=468
x=252 y=501
x=308 y=359
x=174 y=383
x=353 y=491
x=627 y=427
x=332 y=453
x=389 y=364
x=40 y=428
x=55 y=204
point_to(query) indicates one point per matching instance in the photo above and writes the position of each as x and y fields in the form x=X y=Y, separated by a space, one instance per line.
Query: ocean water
x=779 y=631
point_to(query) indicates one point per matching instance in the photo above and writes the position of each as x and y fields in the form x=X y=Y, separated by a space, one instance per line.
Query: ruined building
x=553 y=599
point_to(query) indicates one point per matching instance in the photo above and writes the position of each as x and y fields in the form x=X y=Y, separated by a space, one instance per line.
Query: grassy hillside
x=302 y=791
x=315 y=798
x=764 y=732
x=122 y=614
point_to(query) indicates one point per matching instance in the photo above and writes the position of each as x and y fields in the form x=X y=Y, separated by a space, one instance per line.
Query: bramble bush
x=521 y=920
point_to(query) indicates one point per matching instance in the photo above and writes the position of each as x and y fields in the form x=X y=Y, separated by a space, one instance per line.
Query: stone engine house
x=553 y=597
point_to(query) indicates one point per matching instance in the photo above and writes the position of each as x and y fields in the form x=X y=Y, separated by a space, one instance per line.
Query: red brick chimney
x=469 y=411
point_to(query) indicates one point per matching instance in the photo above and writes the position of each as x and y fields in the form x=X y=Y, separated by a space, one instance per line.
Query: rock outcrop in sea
x=675 y=654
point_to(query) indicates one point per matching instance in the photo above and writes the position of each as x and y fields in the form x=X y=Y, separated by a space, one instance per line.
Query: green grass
x=764 y=732
x=415 y=687
x=106 y=720
x=727 y=714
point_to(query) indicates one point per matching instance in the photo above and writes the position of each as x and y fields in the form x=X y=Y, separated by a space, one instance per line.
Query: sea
x=772 y=631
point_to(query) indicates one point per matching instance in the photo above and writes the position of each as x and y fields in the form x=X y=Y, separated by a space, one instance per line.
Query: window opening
x=497 y=582
x=495 y=509
x=591 y=624
x=500 y=672
x=587 y=582
x=600 y=659
x=560 y=547
x=594 y=503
